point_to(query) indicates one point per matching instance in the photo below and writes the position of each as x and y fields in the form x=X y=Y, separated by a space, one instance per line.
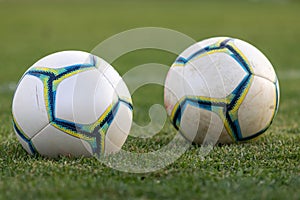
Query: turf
x=265 y=169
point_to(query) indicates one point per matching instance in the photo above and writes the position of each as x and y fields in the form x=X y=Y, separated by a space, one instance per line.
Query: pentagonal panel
x=28 y=105
x=52 y=142
x=257 y=110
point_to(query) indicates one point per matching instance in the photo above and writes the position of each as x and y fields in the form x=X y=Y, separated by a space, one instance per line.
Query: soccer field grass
x=268 y=168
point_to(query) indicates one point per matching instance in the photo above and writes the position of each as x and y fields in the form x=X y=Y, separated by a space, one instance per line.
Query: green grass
x=266 y=169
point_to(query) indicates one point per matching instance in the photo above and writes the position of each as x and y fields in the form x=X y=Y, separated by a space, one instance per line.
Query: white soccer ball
x=71 y=103
x=221 y=90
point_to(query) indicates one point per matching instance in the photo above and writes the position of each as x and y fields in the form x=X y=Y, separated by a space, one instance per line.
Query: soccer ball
x=221 y=90
x=71 y=103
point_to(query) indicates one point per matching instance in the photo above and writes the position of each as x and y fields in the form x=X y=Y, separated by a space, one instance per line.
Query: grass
x=265 y=169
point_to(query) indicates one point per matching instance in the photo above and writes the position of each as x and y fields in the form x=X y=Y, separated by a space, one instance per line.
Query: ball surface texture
x=221 y=90
x=71 y=103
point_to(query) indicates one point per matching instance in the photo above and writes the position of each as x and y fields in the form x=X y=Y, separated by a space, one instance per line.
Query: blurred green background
x=31 y=29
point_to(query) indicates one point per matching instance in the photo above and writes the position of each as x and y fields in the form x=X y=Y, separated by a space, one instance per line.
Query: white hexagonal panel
x=84 y=97
x=52 y=142
x=64 y=59
x=28 y=105
x=259 y=62
x=214 y=75
x=119 y=129
x=258 y=108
